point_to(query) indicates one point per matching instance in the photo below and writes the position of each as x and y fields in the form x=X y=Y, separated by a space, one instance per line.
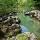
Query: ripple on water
x=24 y=29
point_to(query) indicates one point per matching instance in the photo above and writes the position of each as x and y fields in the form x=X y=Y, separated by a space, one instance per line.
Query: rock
x=10 y=26
x=4 y=18
x=34 y=14
x=27 y=14
x=22 y=36
x=12 y=38
x=0 y=19
x=37 y=14
x=1 y=33
x=26 y=36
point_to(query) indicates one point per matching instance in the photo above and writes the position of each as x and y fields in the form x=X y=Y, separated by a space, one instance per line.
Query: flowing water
x=30 y=24
x=24 y=29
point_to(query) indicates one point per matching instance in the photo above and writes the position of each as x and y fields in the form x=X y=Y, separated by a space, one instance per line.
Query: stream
x=24 y=29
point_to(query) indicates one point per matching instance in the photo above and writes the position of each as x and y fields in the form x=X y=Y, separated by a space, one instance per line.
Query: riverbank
x=24 y=36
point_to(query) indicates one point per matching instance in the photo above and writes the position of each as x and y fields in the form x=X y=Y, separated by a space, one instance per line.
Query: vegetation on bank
x=37 y=4
x=7 y=6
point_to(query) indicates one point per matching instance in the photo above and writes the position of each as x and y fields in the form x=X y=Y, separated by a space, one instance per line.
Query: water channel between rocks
x=24 y=29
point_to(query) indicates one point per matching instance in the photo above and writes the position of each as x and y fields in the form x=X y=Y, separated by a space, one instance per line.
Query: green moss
x=22 y=37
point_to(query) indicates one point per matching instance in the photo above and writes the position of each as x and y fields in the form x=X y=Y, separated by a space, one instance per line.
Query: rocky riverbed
x=9 y=26
x=23 y=36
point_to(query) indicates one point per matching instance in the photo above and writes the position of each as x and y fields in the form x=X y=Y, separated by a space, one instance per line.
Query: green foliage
x=22 y=37
x=7 y=6
x=25 y=5
x=37 y=4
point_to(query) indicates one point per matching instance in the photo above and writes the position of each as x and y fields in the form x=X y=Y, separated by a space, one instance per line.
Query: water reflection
x=24 y=29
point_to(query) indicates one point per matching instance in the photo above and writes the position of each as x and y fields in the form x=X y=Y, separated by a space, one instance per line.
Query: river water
x=29 y=24
x=24 y=29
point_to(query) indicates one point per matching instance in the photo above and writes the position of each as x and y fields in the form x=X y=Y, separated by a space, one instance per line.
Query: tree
x=37 y=4
x=7 y=6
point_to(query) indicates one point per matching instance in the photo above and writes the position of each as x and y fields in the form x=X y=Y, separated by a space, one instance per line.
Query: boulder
x=34 y=14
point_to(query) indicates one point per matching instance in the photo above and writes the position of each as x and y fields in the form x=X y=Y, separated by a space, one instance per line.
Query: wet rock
x=22 y=36
x=26 y=36
x=15 y=29
x=10 y=26
x=1 y=33
x=34 y=14
x=12 y=38
x=4 y=18
x=27 y=14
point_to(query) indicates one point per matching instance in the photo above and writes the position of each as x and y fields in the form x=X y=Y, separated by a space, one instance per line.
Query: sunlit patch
x=23 y=1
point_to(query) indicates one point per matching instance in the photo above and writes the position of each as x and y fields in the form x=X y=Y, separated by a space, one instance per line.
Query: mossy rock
x=22 y=37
